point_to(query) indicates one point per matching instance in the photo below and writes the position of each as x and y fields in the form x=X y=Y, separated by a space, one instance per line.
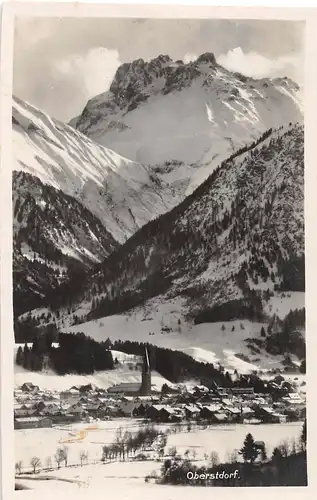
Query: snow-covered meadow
x=223 y=439
x=124 y=475
x=207 y=342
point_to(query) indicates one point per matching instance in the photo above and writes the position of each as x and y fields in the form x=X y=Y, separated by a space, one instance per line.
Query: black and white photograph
x=158 y=254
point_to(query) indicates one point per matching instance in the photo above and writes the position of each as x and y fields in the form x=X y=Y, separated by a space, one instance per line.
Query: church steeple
x=146 y=375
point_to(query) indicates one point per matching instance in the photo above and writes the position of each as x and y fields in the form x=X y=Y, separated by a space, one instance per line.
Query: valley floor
x=224 y=439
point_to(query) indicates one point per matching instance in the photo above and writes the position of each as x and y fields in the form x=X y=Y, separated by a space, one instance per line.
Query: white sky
x=60 y=63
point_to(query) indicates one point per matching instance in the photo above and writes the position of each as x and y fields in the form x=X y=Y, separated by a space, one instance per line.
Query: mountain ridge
x=238 y=237
x=123 y=194
x=187 y=116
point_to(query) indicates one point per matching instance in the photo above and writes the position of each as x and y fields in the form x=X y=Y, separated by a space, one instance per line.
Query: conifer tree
x=249 y=451
x=19 y=356
x=26 y=355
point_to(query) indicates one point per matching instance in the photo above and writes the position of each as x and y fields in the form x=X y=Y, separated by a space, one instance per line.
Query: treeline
x=178 y=367
x=70 y=291
x=126 y=444
x=155 y=284
x=285 y=336
x=247 y=308
x=76 y=354
x=25 y=329
x=292 y=273
x=175 y=366
x=80 y=354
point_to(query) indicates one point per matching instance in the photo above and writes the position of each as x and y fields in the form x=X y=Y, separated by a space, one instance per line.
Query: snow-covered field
x=222 y=439
x=104 y=379
x=223 y=342
x=124 y=475
x=207 y=342
x=282 y=303
x=98 y=487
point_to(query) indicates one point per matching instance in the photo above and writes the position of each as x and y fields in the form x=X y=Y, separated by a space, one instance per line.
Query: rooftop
x=30 y=419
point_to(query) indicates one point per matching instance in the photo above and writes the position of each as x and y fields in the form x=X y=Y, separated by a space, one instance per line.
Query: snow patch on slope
x=122 y=193
x=163 y=324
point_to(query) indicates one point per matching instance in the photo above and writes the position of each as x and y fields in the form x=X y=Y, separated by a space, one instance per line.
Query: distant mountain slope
x=122 y=194
x=184 y=119
x=239 y=236
x=52 y=232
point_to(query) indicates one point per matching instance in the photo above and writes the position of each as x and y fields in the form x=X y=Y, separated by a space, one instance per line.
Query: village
x=282 y=403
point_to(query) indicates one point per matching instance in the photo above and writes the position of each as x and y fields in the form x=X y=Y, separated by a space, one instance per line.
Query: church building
x=136 y=389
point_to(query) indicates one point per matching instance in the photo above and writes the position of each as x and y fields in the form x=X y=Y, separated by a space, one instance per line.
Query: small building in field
x=30 y=388
x=208 y=411
x=164 y=413
x=219 y=418
x=192 y=411
x=64 y=418
x=245 y=392
x=71 y=394
x=268 y=415
x=32 y=422
x=76 y=409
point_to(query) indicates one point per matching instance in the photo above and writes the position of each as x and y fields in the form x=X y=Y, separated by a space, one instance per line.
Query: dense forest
x=247 y=308
x=41 y=230
x=286 y=336
x=76 y=353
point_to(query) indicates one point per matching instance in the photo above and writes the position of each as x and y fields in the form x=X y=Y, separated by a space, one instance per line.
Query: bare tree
x=120 y=443
x=172 y=452
x=233 y=457
x=65 y=454
x=48 y=462
x=214 y=459
x=162 y=445
x=284 y=448
x=83 y=456
x=35 y=463
x=59 y=457
x=293 y=446
x=18 y=467
x=107 y=452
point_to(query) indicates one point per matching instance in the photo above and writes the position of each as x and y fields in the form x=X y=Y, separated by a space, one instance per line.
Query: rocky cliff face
x=184 y=119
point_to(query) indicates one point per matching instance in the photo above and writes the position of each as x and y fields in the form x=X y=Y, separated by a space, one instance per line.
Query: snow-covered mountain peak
x=207 y=57
x=122 y=193
x=128 y=73
x=183 y=119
